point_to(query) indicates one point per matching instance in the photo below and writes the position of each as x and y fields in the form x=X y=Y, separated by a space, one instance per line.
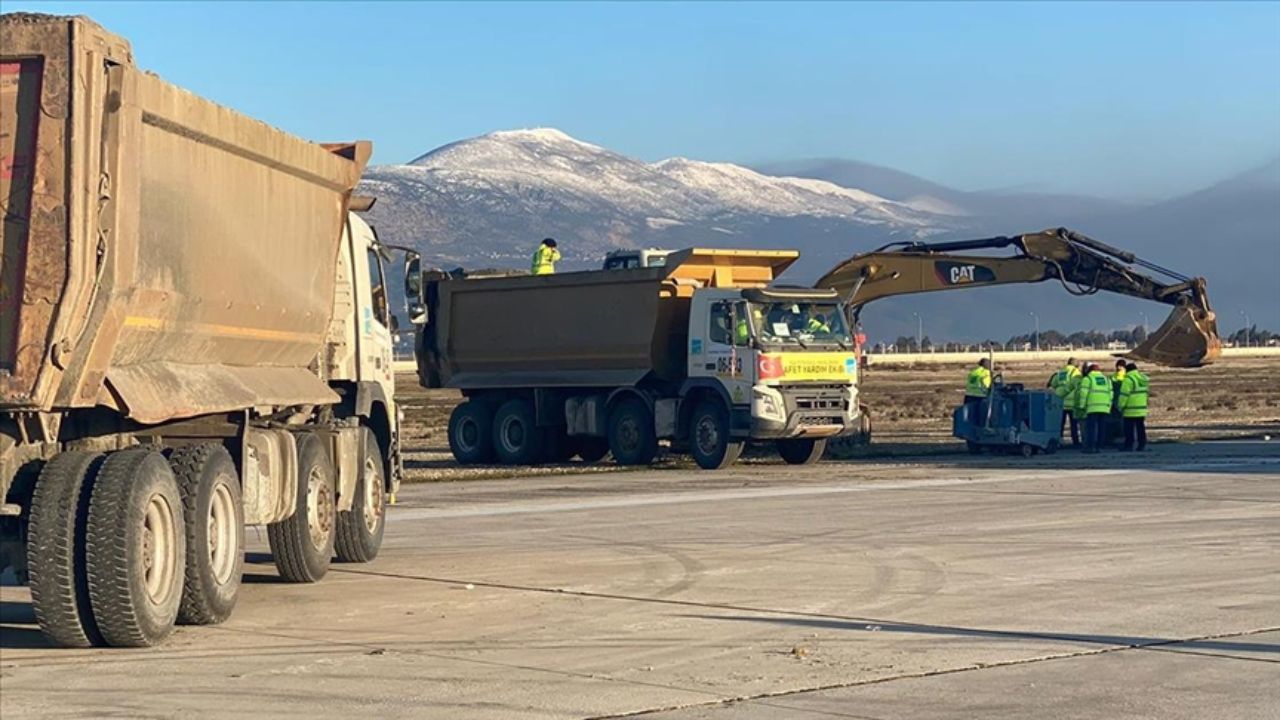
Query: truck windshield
x=800 y=323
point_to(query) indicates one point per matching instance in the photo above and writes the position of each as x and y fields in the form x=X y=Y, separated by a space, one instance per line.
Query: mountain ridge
x=487 y=201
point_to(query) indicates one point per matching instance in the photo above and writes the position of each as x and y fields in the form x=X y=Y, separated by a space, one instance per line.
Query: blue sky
x=1138 y=101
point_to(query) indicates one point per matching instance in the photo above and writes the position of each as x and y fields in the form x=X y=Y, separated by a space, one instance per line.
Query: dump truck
x=194 y=337
x=702 y=351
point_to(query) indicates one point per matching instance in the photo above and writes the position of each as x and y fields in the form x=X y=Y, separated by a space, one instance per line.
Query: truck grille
x=816 y=406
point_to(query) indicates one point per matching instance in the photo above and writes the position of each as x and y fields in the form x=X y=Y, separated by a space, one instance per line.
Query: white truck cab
x=784 y=356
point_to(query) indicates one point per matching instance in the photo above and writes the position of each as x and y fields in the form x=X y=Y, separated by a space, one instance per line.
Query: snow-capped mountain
x=489 y=200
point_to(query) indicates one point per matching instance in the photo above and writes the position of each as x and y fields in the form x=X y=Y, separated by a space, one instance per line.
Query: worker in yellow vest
x=976 y=387
x=1063 y=384
x=545 y=258
x=1117 y=378
x=1133 y=407
x=1096 y=388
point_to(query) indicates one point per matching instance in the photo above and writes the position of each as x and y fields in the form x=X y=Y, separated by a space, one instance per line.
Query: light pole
x=1144 y=324
x=1246 y=327
x=919 y=332
x=1037 y=319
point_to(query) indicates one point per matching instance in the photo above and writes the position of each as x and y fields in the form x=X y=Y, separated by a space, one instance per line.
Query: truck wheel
x=591 y=449
x=516 y=438
x=211 y=502
x=632 y=439
x=56 y=550
x=471 y=434
x=302 y=544
x=711 y=445
x=802 y=452
x=360 y=529
x=136 y=548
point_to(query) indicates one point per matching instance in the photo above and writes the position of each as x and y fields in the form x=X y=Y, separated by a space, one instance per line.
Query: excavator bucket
x=1188 y=338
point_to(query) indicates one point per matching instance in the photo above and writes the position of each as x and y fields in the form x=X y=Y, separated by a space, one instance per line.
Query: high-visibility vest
x=742 y=333
x=1133 y=394
x=977 y=383
x=1118 y=375
x=1099 y=395
x=1079 y=394
x=544 y=260
x=1060 y=383
x=817 y=326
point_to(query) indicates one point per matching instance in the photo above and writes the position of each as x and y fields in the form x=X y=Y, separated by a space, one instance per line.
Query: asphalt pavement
x=1114 y=586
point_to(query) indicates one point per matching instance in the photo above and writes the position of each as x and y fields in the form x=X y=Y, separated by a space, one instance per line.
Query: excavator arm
x=1084 y=266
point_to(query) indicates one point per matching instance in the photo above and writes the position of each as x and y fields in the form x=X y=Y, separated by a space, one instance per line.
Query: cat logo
x=951 y=273
x=961 y=274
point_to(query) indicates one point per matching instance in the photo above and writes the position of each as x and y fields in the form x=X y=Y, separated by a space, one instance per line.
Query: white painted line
x=518 y=508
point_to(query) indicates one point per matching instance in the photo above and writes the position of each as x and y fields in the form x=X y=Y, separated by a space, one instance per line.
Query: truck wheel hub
x=513 y=434
x=708 y=434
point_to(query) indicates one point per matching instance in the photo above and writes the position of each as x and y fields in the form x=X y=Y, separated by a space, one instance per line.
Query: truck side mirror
x=417 y=313
x=412 y=278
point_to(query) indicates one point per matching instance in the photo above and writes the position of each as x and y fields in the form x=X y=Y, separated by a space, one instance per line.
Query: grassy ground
x=911 y=408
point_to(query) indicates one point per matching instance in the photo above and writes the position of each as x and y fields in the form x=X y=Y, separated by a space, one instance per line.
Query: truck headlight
x=767 y=403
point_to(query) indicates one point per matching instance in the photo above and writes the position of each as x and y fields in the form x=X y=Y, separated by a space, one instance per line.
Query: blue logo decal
x=695 y=346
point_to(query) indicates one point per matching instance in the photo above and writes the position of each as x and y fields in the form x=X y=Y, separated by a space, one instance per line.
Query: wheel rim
x=224 y=541
x=373 y=507
x=628 y=434
x=513 y=434
x=708 y=435
x=468 y=434
x=159 y=549
x=319 y=509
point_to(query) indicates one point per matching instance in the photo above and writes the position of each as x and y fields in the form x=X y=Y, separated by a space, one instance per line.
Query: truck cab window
x=378 y=288
x=729 y=324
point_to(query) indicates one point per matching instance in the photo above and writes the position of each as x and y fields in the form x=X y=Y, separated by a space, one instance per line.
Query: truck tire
x=632 y=438
x=302 y=544
x=516 y=437
x=471 y=434
x=591 y=449
x=211 y=501
x=709 y=441
x=802 y=451
x=135 y=548
x=361 y=528
x=56 y=550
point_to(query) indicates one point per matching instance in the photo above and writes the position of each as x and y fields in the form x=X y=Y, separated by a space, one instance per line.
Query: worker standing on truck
x=1063 y=383
x=1133 y=407
x=1096 y=388
x=545 y=258
x=976 y=386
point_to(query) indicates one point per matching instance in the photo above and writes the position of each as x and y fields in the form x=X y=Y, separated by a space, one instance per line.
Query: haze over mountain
x=487 y=201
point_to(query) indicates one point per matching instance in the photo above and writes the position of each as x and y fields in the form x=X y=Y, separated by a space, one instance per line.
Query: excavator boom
x=1188 y=338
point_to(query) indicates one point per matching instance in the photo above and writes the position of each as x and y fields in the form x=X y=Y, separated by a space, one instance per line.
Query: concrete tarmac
x=1113 y=586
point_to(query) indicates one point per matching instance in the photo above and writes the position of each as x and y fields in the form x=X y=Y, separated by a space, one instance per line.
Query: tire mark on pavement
x=1155 y=644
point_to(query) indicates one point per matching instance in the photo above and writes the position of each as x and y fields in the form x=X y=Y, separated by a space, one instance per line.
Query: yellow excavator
x=1084 y=266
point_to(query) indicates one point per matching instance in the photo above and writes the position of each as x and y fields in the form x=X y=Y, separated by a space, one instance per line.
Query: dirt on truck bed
x=911 y=410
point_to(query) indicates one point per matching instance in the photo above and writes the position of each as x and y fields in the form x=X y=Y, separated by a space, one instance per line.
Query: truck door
x=727 y=355
x=373 y=316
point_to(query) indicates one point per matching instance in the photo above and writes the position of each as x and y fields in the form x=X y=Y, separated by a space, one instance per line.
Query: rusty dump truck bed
x=162 y=254
x=599 y=328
